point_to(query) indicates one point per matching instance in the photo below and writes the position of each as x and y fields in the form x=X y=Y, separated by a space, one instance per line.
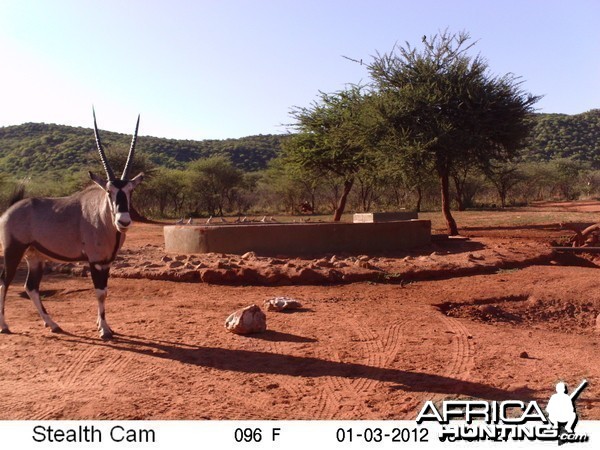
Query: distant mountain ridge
x=36 y=147
x=566 y=136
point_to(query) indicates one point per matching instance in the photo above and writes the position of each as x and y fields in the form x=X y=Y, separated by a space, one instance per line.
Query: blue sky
x=209 y=69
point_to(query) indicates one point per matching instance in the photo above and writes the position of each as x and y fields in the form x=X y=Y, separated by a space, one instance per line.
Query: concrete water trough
x=297 y=238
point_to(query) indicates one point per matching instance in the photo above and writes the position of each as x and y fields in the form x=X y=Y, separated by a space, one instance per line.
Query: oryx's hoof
x=5 y=331
x=106 y=335
x=53 y=327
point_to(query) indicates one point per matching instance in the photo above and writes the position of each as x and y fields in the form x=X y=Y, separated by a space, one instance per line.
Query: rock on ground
x=281 y=304
x=247 y=320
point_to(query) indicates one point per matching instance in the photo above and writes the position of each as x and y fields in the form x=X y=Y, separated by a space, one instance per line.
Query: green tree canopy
x=334 y=138
x=213 y=182
x=443 y=106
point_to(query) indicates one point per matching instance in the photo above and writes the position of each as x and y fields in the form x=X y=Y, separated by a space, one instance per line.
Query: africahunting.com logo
x=478 y=420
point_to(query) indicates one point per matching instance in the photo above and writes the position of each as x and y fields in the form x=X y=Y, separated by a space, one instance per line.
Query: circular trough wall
x=296 y=238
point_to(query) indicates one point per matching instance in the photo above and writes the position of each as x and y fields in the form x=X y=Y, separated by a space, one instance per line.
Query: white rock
x=281 y=304
x=247 y=320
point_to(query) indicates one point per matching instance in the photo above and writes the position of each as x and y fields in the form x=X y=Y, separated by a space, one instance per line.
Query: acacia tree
x=213 y=183
x=448 y=108
x=164 y=193
x=333 y=139
x=505 y=176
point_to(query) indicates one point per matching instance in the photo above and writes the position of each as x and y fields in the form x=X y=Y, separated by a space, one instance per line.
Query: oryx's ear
x=137 y=179
x=99 y=181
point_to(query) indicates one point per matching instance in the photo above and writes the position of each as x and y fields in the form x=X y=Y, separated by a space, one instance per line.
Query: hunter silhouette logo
x=561 y=408
x=508 y=420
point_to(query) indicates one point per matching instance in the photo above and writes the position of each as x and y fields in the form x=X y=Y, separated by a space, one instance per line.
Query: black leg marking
x=99 y=276
x=100 y=279
x=34 y=275
x=13 y=253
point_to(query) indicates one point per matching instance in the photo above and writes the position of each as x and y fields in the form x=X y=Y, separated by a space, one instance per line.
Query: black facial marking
x=121 y=202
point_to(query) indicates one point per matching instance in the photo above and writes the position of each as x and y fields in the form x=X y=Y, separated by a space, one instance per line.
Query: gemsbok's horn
x=109 y=172
x=129 y=162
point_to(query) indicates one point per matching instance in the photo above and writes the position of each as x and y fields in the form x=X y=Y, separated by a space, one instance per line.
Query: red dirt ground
x=494 y=317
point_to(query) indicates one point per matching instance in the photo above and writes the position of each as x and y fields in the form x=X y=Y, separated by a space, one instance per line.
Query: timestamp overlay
x=305 y=435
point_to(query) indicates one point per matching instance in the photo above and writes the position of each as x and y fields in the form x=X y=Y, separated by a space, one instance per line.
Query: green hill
x=42 y=148
x=566 y=136
x=37 y=147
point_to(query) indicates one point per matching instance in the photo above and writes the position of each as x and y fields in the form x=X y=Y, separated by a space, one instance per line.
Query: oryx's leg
x=32 y=287
x=4 y=283
x=13 y=252
x=99 y=274
x=3 y=325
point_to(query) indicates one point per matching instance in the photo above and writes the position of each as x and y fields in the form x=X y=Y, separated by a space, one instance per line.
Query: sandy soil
x=492 y=317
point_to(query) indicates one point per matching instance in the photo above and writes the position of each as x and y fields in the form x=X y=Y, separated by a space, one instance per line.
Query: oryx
x=89 y=225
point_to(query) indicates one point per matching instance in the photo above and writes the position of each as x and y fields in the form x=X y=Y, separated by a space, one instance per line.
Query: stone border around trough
x=426 y=263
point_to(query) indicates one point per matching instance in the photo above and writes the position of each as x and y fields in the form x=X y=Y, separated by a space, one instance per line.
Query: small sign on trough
x=298 y=238
x=384 y=216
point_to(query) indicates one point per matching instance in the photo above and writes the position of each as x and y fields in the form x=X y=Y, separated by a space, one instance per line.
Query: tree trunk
x=450 y=222
x=503 y=195
x=339 y=210
x=458 y=186
x=419 y=198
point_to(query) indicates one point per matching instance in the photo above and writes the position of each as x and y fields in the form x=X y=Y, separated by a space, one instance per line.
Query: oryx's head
x=118 y=190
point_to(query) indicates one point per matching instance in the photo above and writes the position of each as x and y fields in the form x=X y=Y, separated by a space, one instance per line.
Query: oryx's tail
x=16 y=195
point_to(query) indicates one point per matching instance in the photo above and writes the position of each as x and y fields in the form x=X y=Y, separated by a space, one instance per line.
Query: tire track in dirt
x=17 y=409
x=96 y=367
x=105 y=373
x=296 y=387
x=464 y=349
x=46 y=412
x=349 y=395
x=338 y=390
x=140 y=372
x=374 y=348
x=60 y=375
x=77 y=375
x=71 y=373
x=381 y=351
x=461 y=354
